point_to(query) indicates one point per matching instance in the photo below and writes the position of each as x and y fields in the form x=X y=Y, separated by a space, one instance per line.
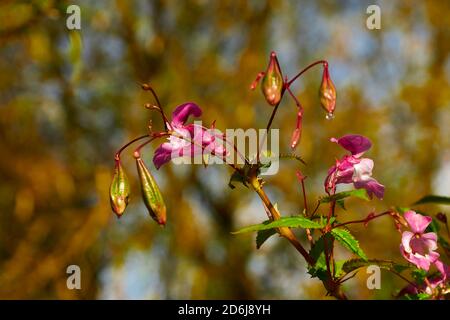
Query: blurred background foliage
x=69 y=99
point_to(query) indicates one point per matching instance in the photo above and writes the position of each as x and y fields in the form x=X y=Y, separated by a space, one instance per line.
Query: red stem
x=366 y=220
x=269 y=124
x=117 y=155
x=147 y=87
x=304 y=196
x=324 y=62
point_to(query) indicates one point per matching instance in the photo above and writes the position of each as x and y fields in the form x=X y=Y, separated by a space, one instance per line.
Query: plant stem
x=331 y=213
x=269 y=124
x=324 y=62
x=117 y=155
x=305 y=205
x=402 y=277
x=147 y=87
x=284 y=232
x=366 y=220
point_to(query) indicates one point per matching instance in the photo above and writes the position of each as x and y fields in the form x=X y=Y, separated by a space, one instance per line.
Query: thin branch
x=117 y=155
x=366 y=220
x=324 y=62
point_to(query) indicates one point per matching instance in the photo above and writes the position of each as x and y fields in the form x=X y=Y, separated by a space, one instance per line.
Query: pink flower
x=352 y=168
x=418 y=247
x=186 y=140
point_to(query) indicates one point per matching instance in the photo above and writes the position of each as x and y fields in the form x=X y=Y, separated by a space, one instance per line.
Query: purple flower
x=352 y=168
x=186 y=139
x=418 y=247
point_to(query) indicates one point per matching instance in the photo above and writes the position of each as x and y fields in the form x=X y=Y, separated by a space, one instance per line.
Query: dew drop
x=329 y=116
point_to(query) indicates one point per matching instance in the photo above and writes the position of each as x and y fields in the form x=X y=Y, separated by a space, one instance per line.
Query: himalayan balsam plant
x=420 y=233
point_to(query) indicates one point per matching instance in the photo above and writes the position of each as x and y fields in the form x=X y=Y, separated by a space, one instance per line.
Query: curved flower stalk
x=273 y=88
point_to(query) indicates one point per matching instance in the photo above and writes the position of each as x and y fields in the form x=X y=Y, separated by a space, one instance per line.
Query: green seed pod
x=272 y=82
x=150 y=192
x=119 y=191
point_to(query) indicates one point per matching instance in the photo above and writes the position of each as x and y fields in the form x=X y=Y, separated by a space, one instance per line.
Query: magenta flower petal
x=182 y=113
x=354 y=143
x=420 y=261
x=443 y=269
x=433 y=256
x=162 y=155
x=187 y=140
x=372 y=186
x=430 y=240
x=417 y=222
x=406 y=238
x=409 y=289
x=345 y=171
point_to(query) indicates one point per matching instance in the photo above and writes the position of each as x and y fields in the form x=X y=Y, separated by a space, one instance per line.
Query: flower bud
x=399 y=220
x=272 y=82
x=441 y=217
x=327 y=93
x=150 y=192
x=297 y=134
x=119 y=191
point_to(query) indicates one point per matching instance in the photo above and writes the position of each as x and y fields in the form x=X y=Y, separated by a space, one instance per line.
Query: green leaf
x=292 y=156
x=357 y=193
x=353 y=264
x=444 y=244
x=434 y=199
x=433 y=226
x=338 y=268
x=317 y=252
x=318 y=248
x=341 y=204
x=290 y=222
x=347 y=240
x=402 y=210
x=423 y=296
x=419 y=275
x=263 y=235
x=419 y=296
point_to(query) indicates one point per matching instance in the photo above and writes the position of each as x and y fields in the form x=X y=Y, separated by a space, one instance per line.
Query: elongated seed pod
x=151 y=194
x=119 y=191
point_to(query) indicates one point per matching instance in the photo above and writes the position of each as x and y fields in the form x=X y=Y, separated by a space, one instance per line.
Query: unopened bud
x=300 y=176
x=150 y=192
x=119 y=191
x=272 y=82
x=399 y=219
x=297 y=134
x=145 y=86
x=368 y=218
x=327 y=93
x=441 y=217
